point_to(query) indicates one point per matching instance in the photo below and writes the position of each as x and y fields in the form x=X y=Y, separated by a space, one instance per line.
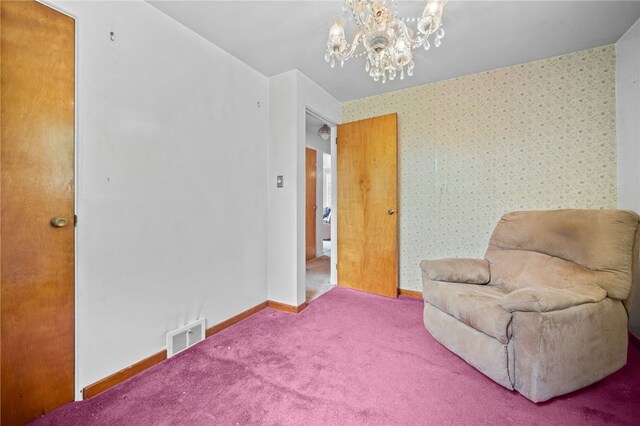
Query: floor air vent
x=184 y=337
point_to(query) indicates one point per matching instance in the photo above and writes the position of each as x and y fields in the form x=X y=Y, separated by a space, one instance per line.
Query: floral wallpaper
x=540 y=135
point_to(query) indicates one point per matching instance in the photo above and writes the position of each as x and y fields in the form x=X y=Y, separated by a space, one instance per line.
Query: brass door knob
x=390 y=212
x=58 y=222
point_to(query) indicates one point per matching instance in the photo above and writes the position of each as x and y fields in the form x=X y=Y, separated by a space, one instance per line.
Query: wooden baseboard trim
x=286 y=308
x=410 y=293
x=122 y=375
x=235 y=319
x=635 y=340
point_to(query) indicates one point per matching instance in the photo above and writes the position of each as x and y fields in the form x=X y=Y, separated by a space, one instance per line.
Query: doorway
x=318 y=206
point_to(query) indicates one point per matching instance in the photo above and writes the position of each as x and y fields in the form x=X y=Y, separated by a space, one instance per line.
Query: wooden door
x=367 y=205
x=37 y=181
x=311 y=206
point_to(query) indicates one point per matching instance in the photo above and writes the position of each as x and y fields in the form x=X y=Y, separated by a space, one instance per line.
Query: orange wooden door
x=37 y=181
x=311 y=206
x=367 y=204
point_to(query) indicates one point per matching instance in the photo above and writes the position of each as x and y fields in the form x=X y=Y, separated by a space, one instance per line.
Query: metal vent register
x=185 y=337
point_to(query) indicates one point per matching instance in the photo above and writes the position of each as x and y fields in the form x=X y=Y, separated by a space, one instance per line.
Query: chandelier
x=387 y=40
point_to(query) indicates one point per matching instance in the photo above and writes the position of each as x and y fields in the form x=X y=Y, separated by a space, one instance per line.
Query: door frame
x=77 y=387
x=334 y=191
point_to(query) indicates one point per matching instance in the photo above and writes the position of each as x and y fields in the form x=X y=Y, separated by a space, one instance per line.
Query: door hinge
x=75 y=220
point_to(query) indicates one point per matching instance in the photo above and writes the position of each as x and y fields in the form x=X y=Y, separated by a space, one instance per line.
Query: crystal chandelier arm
x=351 y=48
x=356 y=12
x=415 y=42
x=359 y=23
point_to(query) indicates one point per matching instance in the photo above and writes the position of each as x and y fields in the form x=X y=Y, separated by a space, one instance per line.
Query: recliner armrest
x=546 y=299
x=469 y=271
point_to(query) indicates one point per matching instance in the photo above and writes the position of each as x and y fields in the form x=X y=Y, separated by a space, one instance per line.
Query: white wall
x=290 y=94
x=171 y=191
x=321 y=147
x=282 y=217
x=628 y=134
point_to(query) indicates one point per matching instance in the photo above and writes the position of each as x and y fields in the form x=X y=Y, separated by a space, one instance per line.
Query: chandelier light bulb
x=336 y=32
x=385 y=37
x=434 y=8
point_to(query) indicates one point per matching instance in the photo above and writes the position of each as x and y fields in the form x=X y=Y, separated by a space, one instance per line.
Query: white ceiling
x=277 y=36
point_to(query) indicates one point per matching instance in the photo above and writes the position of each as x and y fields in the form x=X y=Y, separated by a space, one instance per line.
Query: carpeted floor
x=349 y=358
x=317 y=277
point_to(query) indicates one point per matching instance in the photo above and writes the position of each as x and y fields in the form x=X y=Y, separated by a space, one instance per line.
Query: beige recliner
x=545 y=312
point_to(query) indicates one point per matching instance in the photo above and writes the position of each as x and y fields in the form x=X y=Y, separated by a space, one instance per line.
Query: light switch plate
x=280 y=181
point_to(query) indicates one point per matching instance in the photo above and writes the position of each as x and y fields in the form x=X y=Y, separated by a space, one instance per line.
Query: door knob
x=390 y=212
x=58 y=222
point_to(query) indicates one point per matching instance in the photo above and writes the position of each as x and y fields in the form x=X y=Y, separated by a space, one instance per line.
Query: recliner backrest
x=564 y=248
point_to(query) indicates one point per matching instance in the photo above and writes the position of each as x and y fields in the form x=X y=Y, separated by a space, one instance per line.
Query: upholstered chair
x=545 y=311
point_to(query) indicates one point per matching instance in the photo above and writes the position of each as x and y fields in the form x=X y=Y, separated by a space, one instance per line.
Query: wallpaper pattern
x=540 y=135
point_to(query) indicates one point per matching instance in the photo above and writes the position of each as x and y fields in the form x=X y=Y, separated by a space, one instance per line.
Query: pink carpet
x=349 y=358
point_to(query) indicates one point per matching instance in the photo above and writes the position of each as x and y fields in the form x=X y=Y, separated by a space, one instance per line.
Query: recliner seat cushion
x=475 y=305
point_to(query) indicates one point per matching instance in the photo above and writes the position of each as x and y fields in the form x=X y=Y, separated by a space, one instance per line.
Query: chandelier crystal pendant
x=387 y=40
